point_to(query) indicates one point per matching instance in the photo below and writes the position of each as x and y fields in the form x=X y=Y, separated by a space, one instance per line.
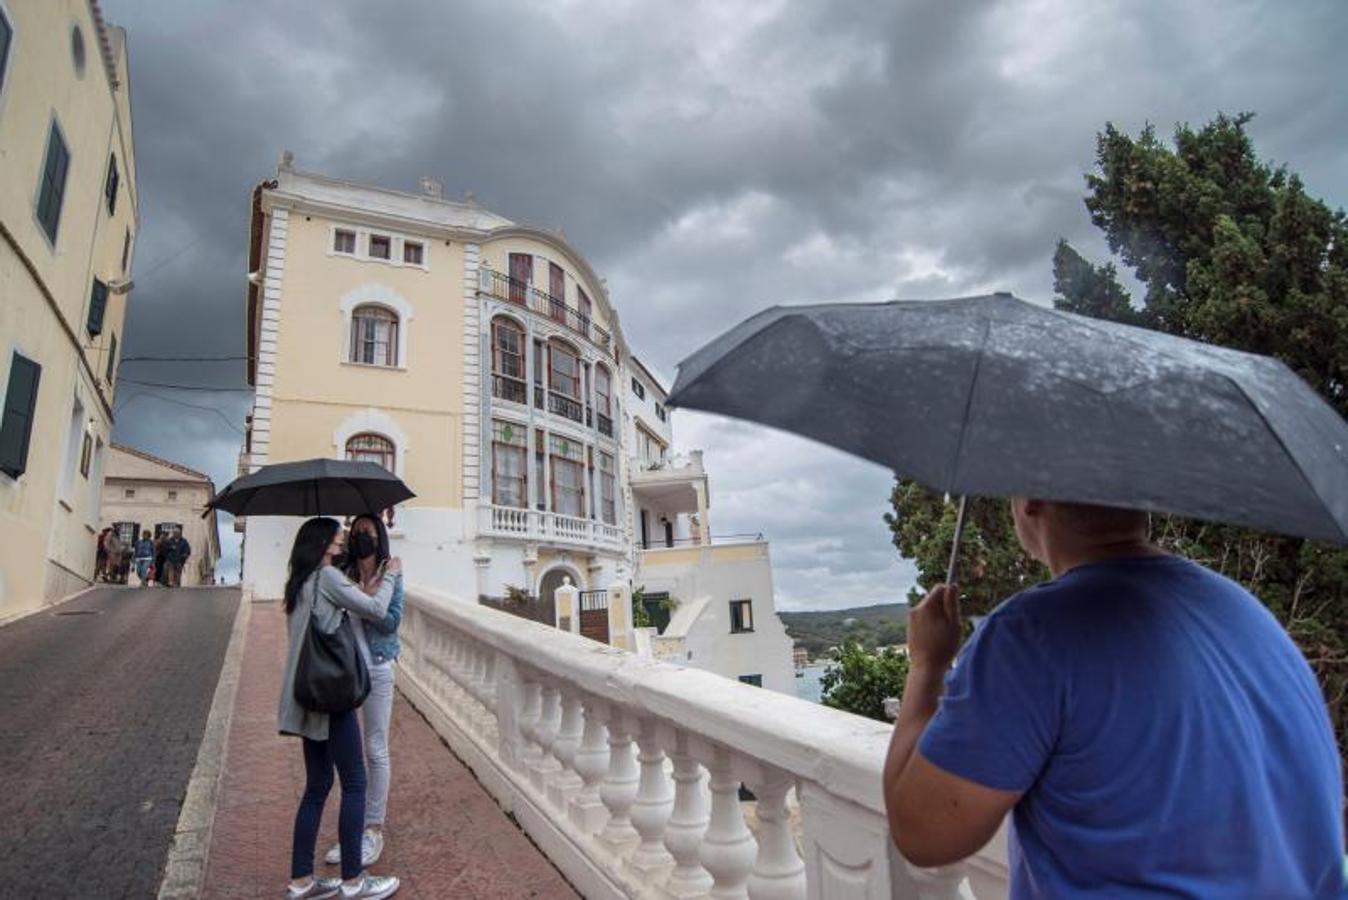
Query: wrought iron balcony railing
x=503 y=287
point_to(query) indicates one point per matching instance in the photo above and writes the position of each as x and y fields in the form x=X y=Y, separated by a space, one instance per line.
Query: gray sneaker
x=318 y=889
x=371 y=887
x=371 y=848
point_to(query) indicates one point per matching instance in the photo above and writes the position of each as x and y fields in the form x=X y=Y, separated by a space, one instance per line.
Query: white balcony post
x=587 y=811
x=619 y=789
x=620 y=616
x=945 y=883
x=651 y=862
x=567 y=606
x=728 y=848
x=566 y=783
x=779 y=872
x=530 y=709
x=687 y=824
x=510 y=742
x=546 y=766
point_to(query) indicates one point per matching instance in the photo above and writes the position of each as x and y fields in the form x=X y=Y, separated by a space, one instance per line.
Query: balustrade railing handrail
x=842 y=753
x=505 y=287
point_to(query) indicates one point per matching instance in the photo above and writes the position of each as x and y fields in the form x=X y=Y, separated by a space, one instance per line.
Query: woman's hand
x=395 y=566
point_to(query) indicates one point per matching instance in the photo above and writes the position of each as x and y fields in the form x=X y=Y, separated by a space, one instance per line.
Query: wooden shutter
x=54 y=171
x=16 y=428
x=112 y=360
x=98 y=304
x=110 y=189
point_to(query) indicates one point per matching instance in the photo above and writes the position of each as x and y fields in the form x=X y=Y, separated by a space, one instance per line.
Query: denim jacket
x=383 y=635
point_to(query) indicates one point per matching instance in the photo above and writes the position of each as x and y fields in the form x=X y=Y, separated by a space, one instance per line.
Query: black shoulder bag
x=330 y=676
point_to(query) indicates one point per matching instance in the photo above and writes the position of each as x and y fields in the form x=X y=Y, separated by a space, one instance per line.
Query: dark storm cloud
x=710 y=159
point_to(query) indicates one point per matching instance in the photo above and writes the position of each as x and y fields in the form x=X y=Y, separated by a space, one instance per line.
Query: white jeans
x=375 y=714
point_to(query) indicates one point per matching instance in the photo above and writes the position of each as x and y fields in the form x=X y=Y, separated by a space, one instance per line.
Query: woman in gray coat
x=317 y=590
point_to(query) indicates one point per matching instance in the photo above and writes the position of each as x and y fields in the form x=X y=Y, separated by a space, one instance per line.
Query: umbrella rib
x=969 y=404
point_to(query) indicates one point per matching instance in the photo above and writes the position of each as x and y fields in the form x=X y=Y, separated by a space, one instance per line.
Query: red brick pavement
x=445 y=836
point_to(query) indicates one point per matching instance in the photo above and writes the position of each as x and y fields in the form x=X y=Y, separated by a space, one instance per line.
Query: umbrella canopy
x=993 y=396
x=313 y=487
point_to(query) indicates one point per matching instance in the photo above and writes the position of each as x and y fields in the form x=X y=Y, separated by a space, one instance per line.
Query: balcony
x=566 y=407
x=512 y=290
x=626 y=771
x=503 y=387
x=605 y=425
x=669 y=484
x=548 y=527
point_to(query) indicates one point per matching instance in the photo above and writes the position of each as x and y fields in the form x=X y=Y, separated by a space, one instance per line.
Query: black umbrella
x=995 y=396
x=313 y=487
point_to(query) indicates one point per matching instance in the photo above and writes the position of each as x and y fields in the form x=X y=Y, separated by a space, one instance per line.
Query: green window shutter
x=110 y=187
x=112 y=360
x=98 y=305
x=16 y=428
x=53 y=189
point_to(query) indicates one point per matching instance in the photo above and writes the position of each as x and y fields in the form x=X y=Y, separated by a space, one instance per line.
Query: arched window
x=603 y=400
x=507 y=360
x=369 y=447
x=374 y=336
x=564 y=380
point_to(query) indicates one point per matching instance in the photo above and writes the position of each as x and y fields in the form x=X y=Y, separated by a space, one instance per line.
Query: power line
x=127 y=359
x=187 y=387
x=145 y=393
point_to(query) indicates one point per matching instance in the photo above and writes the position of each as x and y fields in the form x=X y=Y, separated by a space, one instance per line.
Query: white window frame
x=375 y=294
x=397 y=240
x=373 y=421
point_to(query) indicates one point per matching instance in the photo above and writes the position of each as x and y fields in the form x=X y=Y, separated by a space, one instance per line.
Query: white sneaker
x=318 y=889
x=371 y=848
x=371 y=887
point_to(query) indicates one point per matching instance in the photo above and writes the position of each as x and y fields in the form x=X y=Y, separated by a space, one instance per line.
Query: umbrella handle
x=955 y=545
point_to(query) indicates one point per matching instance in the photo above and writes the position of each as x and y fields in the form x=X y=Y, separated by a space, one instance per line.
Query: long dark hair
x=381 y=552
x=307 y=555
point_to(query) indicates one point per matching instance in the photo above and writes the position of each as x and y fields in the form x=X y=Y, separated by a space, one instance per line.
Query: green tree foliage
x=1232 y=251
x=859 y=680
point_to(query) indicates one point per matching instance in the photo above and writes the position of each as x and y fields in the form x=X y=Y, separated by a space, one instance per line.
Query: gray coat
x=335 y=593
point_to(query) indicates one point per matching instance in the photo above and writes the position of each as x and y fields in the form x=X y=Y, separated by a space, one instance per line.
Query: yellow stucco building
x=68 y=219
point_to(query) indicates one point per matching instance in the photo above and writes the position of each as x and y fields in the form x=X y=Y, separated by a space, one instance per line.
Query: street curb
x=20 y=616
x=185 y=870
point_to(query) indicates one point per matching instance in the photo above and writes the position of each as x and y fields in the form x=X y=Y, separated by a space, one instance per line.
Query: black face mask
x=361 y=546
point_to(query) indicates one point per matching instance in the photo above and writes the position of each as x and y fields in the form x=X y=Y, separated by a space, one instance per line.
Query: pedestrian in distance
x=316 y=590
x=159 y=560
x=144 y=557
x=112 y=555
x=179 y=552
x=101 y=554
x=1150 y=726
x=367 y=556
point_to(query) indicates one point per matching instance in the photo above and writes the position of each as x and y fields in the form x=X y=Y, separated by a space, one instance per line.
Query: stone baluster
x=687 y=824
x=943 y=883
x=619 y=789
x=728 y=849
x=779 y=872
x=587 y=811
x=651 y=862
x=530 y=709
x=545 y=766
x=569 y=733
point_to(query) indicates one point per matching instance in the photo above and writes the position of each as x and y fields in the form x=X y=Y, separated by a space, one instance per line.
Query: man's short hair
x=1091 y=519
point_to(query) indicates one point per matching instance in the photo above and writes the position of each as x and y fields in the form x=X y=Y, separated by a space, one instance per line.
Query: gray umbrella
x=313 y=487
x=993 y=396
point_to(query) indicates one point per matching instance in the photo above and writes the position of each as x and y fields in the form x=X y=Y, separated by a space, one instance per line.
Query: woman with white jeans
x=367 y=554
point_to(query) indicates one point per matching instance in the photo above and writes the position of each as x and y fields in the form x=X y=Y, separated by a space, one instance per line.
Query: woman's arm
x=389 y=624
x=342 y=591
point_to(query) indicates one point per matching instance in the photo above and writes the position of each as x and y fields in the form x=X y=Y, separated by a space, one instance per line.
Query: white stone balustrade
x=626 y=771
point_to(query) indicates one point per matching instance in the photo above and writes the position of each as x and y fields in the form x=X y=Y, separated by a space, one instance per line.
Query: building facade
x=479 y=360
x=68 y=219
x=142 y=492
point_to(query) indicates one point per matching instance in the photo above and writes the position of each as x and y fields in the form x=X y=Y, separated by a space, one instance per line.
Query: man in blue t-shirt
x=1153 y=728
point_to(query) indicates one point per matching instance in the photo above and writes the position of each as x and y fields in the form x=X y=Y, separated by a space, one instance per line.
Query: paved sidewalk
x=102 y=705
x=445 y=836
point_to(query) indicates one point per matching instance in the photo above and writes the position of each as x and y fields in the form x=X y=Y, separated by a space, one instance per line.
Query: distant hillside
x=871 y=626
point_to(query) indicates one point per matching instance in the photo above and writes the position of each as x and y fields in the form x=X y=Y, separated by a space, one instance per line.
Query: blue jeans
x=343 y=751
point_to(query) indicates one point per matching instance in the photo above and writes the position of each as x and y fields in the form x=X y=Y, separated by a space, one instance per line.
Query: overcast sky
x=710 y=159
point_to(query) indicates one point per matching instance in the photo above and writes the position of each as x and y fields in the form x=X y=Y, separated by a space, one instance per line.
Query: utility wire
x=187 y=387
x=127 y=359
x=145 y=393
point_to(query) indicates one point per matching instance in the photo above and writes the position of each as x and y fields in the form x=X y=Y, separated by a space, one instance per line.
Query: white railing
x=626 y=771
x=510 y=521
x=684 y=463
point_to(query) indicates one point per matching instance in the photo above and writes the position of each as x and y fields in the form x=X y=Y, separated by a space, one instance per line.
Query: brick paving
x=445 y=836
x=101 y=715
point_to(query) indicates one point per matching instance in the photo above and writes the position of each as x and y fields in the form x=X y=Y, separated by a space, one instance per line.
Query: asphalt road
x=101 y=715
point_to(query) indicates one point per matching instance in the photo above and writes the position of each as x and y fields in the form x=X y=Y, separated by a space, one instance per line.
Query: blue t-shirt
x=1170 y=738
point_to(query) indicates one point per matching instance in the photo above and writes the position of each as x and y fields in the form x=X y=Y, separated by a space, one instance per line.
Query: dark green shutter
x=16 y=429
x=54 y=171
x=98 y=305
x=110 y=188
x=112 y=360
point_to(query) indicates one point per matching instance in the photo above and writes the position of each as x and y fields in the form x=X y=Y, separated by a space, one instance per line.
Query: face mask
x=362 y=545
